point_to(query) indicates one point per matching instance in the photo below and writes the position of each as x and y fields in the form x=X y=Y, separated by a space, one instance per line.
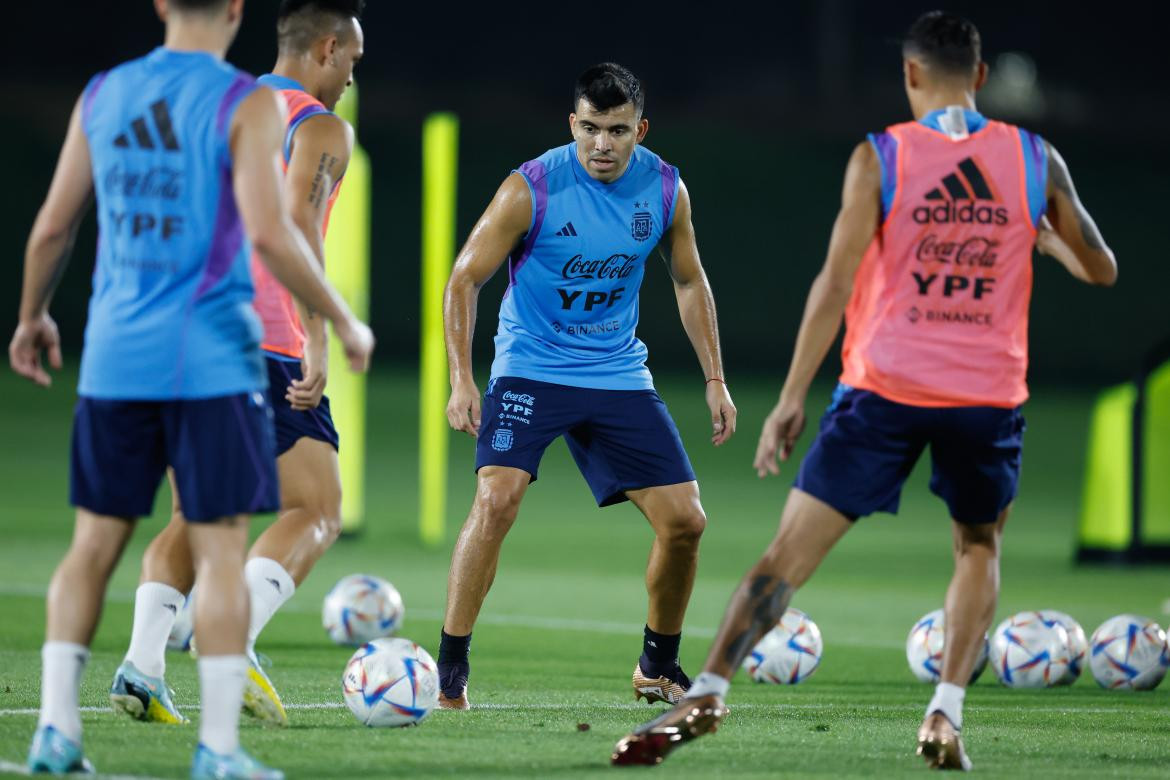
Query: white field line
x=516 y=621
x=20 y=769
x=584 y=706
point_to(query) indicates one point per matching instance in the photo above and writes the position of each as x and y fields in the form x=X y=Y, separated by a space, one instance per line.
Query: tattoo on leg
x=766 y=601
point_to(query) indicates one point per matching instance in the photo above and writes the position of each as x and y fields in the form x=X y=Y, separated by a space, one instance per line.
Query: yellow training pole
x=347 y=265
x=440 y=171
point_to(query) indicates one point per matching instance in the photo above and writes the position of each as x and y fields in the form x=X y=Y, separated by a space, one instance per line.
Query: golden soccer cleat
x=261 y=700
x=654 y=689
x=941 y=745
x=457 y=703
x=652 y=742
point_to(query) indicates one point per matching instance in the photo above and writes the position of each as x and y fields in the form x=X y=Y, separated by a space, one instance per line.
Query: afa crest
x=642 y=225
x=502 y=441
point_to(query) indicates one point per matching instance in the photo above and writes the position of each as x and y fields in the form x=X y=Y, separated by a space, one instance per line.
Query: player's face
x=606 y=139
x=339 y=68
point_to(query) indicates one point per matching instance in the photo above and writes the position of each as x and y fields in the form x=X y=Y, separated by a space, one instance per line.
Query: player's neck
x=194 y=35
x=298 y=70
x=928 y=102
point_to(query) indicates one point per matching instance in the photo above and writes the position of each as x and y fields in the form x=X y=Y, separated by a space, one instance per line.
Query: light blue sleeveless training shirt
x=571 y=307
x=171 y=312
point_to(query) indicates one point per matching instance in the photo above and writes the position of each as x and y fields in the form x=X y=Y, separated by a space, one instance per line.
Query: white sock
x=948 y=700
x=221 y=692
x=155 y=608
x=706 y=684
x=62 y=665
x=269 y=586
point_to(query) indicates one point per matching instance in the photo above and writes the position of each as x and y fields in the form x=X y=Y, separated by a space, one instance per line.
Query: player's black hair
x=300 y=22
x=607 y=86
x=945 y=41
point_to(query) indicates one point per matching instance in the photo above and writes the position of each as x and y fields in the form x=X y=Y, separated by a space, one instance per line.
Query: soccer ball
x=1078 y=645
x=924 y=649
x=1028 y=651
x=183 y=631
x=390 y=682
x=789 y=653
x=1129 y=652
x=360 y=608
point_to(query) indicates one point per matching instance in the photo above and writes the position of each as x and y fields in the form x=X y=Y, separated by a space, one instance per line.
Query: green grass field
x=561 y=629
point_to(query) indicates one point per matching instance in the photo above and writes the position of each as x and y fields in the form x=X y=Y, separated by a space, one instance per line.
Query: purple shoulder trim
x=537 y=176
x=234 y=94
x=669 y=186
x=90 y=93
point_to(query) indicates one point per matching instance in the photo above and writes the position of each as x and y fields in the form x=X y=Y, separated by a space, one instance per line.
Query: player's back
x=939 y=313
x=170 y=315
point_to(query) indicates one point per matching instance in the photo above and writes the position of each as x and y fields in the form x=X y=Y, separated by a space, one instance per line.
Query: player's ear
x=981 y=73
x=572 y=123
x=643 y=128
x=160 y=8
x=235 y=10
x=913 y=73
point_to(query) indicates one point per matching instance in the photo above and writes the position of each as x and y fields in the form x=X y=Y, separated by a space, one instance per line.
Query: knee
x=685 y=527
x=497 y=505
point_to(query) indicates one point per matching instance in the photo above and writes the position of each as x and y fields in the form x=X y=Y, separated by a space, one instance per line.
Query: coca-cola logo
x=519 y=398
x=974 y=251
x=617 y=266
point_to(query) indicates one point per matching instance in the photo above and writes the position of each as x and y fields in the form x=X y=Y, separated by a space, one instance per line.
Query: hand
x=463 y=408
x=723 y=412
x=1049 y=242
x=781 y=430
x=304 y=394
x=358 y=341
x=24 y=352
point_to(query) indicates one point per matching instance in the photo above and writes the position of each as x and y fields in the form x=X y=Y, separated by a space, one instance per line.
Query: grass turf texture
x=561 y=628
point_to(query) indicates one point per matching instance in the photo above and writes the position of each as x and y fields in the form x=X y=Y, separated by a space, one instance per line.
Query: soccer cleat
x=669 y=688
x=52 y=753
x=142 y=697
x=941 y=745
x=453 y=686
x=261 y=700
x=652 y=742
x=230 y=766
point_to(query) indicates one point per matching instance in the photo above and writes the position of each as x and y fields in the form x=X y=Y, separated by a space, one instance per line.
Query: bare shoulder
x=326 y=129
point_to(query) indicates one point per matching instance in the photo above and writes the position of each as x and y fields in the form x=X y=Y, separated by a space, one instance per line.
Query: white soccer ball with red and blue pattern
x=1078 y=645
x=390 y=682
x=1028 y=651
x=360 y=608
x=787 y=654
x=1129 y=652
x=924 y=648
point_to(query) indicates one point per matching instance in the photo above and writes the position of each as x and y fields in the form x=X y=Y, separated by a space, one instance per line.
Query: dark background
x=758 y=106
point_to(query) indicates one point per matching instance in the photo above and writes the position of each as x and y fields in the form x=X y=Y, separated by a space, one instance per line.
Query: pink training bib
x=939 y=312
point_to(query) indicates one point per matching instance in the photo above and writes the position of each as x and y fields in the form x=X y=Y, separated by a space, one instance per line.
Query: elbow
x=1106 y=273
x=265 y=243
x=836 y=287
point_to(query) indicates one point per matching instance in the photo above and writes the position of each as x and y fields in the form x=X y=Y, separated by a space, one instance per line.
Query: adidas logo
x=965 y=184
x=141 y=131
x=567 y=230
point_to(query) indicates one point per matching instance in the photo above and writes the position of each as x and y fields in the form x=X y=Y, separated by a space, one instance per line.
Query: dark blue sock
x=453 y=649
x=659 y=653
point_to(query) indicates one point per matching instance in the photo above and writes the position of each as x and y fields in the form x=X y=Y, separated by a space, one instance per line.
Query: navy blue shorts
x=293 y=424
x=621 y=439
x=221 y=449
x=868 y=445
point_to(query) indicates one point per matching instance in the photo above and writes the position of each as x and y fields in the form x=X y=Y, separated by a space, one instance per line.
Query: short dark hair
x=607 y=86
x=300 y=22
x=945 y=41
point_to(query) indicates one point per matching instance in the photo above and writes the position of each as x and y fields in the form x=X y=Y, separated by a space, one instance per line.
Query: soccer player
x=319 y=43
x=577 y=226
x=181 y=150
x=930 y=263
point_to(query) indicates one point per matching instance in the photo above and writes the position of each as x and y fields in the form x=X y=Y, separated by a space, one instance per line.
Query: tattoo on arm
x=1062 y=182
x=318 y=190
x=766 y=600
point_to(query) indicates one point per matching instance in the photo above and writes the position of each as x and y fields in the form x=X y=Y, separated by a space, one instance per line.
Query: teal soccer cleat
x=142 y=697
x=53 y=753
x=230 y=766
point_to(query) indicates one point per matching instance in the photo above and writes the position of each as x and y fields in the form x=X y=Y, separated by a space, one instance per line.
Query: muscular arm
x=696 y=308
x=47 y=253
x=256 y=132
x=320 y=154
x=852 y=232
x=497 y=232
x=1069 y=233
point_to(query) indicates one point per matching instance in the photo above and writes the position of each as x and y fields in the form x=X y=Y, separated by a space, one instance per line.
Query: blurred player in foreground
x=577 y=226
x=319 y=42
x=182 y=152
x=930 y=262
